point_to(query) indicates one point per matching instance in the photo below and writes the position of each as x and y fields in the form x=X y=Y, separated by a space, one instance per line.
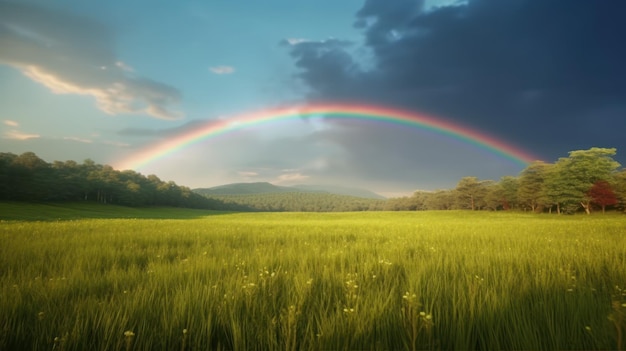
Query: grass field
x=110 y=278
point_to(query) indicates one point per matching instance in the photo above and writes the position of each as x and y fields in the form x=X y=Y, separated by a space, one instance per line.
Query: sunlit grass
x=306 y=281
x=80 y=210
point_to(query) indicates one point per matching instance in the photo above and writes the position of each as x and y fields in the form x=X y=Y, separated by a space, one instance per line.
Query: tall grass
x=341 y=281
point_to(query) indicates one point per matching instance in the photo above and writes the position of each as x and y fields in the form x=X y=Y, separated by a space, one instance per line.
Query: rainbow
x=333 y=111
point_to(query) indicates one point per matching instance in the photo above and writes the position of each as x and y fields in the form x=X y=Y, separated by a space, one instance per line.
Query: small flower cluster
x=129 y=335
x=266 y=273
x=409 y=297
x=416 y=321
x=570 y=275
x=59 y=342
x=385 y=262
x=425 y=317
x=411 y=303
x=240 y=266
x=351 y=286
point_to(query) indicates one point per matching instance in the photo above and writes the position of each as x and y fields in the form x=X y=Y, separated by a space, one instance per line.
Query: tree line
x=27 y=177
x=302 y=202
x=586 y=180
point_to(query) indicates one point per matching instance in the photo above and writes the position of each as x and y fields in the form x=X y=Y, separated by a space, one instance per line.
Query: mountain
x=268 y=188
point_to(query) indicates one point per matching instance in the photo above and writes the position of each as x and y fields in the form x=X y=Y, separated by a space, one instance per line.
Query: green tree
x=530 y=189
x=558 y=189
x=440 y=200
x=69 y=181
x=574 y=176
x=503 y=194
x=419 y=199
x=620 y=188
x=509 y=186
x=494 y=197
x=471 y=193
x=33 y=177
x=8 y=177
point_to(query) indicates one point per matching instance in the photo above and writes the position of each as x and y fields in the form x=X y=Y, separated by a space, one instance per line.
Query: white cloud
x=247 y=174
x=17 y=135
x=296 y=41
x=73 y=55
x=433 y=4
x=125 y=96
x=11 y=123
x=80 y=140
x=124 y=66
x=291 y=177
x=222 y=69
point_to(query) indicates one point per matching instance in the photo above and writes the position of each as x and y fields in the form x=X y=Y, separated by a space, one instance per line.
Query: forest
x=303 y=202
x=584 y=181
x=29 y=178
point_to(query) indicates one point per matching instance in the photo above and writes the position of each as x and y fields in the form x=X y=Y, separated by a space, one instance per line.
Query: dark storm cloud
x=382 y=20
x=548 y=76
x=326 y=65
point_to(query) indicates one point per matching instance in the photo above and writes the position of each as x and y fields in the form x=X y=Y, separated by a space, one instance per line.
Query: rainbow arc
x=332 y=111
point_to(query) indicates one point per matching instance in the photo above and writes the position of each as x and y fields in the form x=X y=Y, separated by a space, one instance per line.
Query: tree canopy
x=28 y=178
x=584 y=180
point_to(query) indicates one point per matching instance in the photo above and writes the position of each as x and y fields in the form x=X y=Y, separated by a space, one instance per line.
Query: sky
x=105 y=80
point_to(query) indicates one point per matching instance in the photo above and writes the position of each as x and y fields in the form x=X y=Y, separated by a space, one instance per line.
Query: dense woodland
x=303 y=202
x=29 y=178
x=586 y=180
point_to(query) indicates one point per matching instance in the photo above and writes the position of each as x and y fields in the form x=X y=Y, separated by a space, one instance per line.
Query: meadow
x=179 y=280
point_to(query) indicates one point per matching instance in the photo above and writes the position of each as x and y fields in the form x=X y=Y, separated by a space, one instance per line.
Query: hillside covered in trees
x=28 y=178
x=586 y=180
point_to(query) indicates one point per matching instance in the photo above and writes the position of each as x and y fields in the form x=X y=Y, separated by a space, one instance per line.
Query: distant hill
x=268 y=188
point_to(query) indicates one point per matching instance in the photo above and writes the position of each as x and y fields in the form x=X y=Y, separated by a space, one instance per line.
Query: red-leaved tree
x=602 y=194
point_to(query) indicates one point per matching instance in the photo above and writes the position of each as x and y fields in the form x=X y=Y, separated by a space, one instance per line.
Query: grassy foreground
x=307 y=281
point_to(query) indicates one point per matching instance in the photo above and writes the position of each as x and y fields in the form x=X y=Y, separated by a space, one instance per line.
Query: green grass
x=80 y=210
x=308 y=281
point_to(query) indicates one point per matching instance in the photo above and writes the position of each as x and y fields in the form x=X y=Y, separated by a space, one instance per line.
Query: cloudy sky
x=104 y=80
